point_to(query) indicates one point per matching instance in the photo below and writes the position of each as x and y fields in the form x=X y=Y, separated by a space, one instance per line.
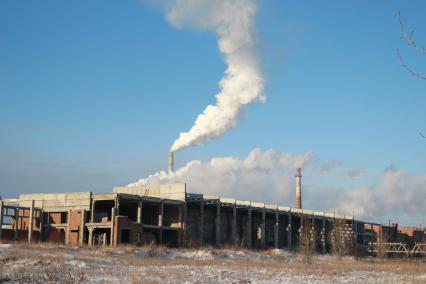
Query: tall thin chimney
x=299 y=188
x=170 y=162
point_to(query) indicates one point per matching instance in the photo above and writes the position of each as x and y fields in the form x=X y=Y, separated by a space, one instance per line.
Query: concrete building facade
x=167 y=214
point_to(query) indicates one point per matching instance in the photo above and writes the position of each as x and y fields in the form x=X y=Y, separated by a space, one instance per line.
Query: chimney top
x=170 y=162
x=299 y=188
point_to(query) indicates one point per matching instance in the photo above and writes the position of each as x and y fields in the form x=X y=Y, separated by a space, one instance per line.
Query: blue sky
x=93 y=93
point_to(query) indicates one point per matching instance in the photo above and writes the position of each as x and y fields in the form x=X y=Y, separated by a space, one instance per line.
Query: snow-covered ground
x=60 y=264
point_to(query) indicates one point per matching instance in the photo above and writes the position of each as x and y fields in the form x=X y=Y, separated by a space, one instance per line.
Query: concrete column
x=112 y=235
x=180 y=232
x=184 y=213
x=104 y=239
x=1 y=217
x=323 y=236
x=289 y=229
x=160 y=221
x=249 y=229
x=354 y=233
x=68 y=229
x=263 y=230
x=16 y=223
x=301 y=228
x=217 y=224
x=201 y=224
x=161 y=213
x=276 y=230
x=31 y=222
x=363 y=234
x=90 y=241
x=139 y=220
x=234 y=226
x=119 y=237
x=41 y=212
x=140 y=204
x=82 y=225
x=92 y=212
x=117 y=207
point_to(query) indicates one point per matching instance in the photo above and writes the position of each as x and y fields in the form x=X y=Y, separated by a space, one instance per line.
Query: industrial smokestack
x=299 y=188
x=170 y=162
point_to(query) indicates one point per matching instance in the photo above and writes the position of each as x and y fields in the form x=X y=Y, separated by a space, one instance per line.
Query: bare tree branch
x=411 y=71
x=421 y=135
x=408 y=38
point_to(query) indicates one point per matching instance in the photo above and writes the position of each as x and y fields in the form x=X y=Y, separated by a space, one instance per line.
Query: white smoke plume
x=268 y=176
x=397 y=193
x=393 y=195
x=233 y=22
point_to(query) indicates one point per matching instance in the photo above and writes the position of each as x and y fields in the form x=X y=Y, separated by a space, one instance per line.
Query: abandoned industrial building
x=167 y=214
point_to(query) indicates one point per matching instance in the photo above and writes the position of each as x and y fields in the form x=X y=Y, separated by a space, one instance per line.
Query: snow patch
x=5 y=246
x=76 y=263
x=198 y=254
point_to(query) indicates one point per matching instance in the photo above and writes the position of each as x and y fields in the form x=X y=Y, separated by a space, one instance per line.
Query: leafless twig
x=421 y=135
x=411 y=71
x=408 y=37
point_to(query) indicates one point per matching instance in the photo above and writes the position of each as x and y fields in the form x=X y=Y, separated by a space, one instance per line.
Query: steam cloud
x=233 y=21
x=397 y=192
x=268 y=176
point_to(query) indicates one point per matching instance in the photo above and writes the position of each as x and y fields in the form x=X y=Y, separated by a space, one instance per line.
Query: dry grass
x=155 y=264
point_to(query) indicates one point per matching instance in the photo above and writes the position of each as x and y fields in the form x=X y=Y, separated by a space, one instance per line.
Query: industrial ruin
x=169 y=215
